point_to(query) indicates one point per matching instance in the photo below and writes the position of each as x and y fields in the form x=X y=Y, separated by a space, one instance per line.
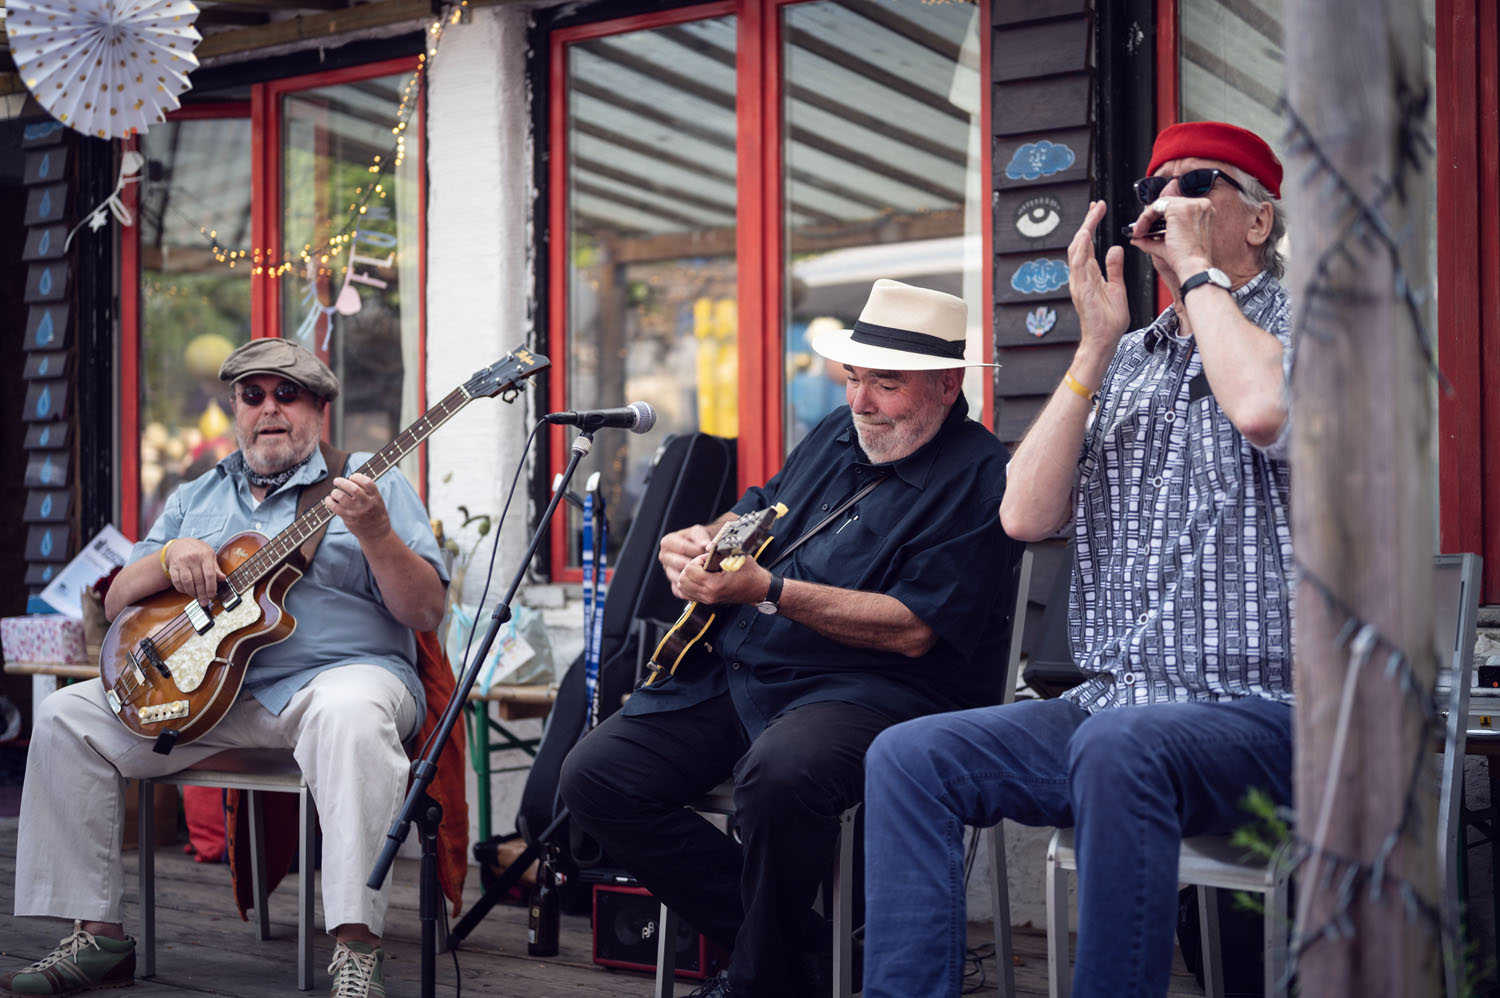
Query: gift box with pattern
x=43 y=637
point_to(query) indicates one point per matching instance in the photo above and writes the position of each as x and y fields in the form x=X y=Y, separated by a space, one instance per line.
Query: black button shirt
x=929 y=535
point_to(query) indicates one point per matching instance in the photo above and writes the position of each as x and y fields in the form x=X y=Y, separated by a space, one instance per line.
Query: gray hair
x=1254 y=195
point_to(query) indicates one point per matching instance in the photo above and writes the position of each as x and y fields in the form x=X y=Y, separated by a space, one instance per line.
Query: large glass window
x=195 y=297
x=882 y=168
x=317 y=241
x=349 y=225
x=727 y=177
x=651 y=268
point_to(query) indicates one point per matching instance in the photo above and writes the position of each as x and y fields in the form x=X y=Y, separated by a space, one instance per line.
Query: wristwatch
x=1213 y=275
x=773 y=596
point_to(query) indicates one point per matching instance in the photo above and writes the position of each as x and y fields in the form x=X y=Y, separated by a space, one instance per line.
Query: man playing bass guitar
x=341 y=690
x=895 y=608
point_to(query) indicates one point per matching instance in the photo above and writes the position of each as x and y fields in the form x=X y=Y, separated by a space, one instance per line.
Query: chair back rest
x=1017 y=625
x=1455 y=605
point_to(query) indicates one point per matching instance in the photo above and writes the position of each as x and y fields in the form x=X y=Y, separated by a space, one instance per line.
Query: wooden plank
x=1040 y=49
x=1031 y=370
x=1031 y=278
x=1033 y=105
x=47 y=327
x=1023 y=161
x=1024 y=325
x=1032 y=219
x=1020 y=11
x=315 y=27
x=204 y=949
x=67 y=670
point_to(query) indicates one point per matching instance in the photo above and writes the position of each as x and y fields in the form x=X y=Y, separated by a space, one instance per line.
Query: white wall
x=479 y=289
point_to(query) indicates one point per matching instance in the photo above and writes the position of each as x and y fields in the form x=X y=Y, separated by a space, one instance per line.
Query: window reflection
x=882 y=171
x=652 y=289
x=195 y=299
x=350 y=225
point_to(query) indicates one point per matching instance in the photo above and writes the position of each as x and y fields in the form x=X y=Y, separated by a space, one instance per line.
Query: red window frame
x=759 y=237
x=263 y=110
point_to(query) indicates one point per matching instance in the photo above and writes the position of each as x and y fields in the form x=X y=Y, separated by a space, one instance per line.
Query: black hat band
x=891 y=338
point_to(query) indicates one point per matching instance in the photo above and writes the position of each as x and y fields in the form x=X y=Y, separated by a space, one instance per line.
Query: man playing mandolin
x=897 y=607
x=341 y=691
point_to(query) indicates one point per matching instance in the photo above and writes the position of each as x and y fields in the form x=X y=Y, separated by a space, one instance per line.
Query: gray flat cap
x=284 y=359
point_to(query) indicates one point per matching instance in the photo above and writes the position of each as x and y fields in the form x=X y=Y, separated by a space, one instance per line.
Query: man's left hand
x=357 y=502
x=1186 y=248
x=747 y=585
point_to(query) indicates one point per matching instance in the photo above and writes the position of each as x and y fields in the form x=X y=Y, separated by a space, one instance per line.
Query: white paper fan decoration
x=108 y=68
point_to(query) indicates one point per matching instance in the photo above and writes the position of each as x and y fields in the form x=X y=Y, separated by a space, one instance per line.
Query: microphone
x=637 y=417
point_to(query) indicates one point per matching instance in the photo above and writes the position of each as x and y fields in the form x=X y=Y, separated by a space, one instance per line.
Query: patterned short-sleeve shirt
x=1181 y=588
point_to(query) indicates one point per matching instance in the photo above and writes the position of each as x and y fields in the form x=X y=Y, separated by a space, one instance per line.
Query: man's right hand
x=1101 y=303
x=679 y=548
x=193 y=568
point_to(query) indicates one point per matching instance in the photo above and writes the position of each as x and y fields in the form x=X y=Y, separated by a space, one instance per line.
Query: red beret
x=1225 y=143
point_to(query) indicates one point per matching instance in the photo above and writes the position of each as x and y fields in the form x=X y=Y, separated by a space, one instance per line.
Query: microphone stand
x=419 y=806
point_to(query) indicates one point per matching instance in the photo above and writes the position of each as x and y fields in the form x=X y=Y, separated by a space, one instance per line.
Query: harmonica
x=1158 y=230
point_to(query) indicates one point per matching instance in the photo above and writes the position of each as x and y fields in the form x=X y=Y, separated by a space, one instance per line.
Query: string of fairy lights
x=263 y=261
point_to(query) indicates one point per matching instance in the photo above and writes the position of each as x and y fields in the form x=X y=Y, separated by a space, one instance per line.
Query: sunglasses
x=286 y=393
x=1192 y=184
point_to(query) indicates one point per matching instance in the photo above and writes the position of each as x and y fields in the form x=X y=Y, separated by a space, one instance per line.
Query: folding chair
x=258 y=771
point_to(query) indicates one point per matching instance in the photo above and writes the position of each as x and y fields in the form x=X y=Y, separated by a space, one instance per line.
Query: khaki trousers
x=345 y=728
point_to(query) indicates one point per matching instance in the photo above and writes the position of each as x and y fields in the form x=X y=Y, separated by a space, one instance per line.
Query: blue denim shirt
x=340 y=616
x=929 y=536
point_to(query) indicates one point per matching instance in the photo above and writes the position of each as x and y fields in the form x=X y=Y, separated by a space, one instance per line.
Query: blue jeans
x=1133 y=780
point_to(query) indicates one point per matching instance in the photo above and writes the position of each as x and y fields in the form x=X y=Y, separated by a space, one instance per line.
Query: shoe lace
x=352 y=972
x=67 y=949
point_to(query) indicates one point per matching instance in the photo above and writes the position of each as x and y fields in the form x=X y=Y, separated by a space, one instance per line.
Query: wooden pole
x=1362 y=495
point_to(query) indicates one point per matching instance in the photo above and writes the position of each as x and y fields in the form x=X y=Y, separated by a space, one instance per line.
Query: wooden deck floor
x=204 y=948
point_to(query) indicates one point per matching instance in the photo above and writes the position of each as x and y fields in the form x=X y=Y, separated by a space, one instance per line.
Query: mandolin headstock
x=743 y=538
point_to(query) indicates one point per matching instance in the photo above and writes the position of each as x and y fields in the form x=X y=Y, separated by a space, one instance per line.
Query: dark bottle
x=542 y=927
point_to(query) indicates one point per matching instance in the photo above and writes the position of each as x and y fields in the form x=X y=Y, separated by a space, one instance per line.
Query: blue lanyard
x=595 y=564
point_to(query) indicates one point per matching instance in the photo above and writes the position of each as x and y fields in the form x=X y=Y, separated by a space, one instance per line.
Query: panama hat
x=902 y=328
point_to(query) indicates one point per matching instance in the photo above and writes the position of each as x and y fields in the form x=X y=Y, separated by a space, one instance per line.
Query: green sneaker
x=80 y=962
x=356 y=971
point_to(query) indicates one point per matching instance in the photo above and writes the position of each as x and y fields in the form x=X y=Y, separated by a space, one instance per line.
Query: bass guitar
x=172 y=669
x=735 y=541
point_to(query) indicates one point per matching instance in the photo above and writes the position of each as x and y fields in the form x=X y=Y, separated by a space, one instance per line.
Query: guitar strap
x=335 y=459
x=843 y=506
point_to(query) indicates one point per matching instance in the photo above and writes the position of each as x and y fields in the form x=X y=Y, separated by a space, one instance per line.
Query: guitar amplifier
x=626 y=923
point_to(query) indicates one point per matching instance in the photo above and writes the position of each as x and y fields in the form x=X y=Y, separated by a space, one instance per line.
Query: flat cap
x=284 y=359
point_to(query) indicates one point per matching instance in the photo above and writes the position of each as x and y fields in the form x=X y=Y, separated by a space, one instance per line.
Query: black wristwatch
x=771 y=604
x=1213 y=275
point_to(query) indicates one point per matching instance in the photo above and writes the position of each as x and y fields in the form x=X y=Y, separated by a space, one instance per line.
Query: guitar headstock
x=743 y=538
x=505 y=376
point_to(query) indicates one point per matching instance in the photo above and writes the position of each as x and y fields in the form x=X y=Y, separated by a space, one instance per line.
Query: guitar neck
x=280 y=547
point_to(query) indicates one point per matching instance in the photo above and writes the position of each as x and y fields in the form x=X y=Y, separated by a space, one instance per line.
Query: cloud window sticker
x=1039 y=159
x=1038 y=217
x=1039 y=276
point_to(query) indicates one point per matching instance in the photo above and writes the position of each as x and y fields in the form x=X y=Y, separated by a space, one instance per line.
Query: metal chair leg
x=1005 y=964
x=145 y=838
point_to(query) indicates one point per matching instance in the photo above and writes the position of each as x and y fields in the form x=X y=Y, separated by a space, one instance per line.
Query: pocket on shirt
x=339 y=562
x=209 y=528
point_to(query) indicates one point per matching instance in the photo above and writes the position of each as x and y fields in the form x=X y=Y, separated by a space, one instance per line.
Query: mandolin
x=172 y=669
x=735 y=541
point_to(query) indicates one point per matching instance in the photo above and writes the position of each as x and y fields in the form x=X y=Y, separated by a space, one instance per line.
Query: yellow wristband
x=162 y=557
x=1077 y=387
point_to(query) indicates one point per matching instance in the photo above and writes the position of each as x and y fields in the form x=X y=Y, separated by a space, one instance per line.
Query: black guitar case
x=692 y=480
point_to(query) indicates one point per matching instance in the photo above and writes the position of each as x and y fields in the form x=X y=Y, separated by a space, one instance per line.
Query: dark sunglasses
x=1193 y=184
x=286 y=393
